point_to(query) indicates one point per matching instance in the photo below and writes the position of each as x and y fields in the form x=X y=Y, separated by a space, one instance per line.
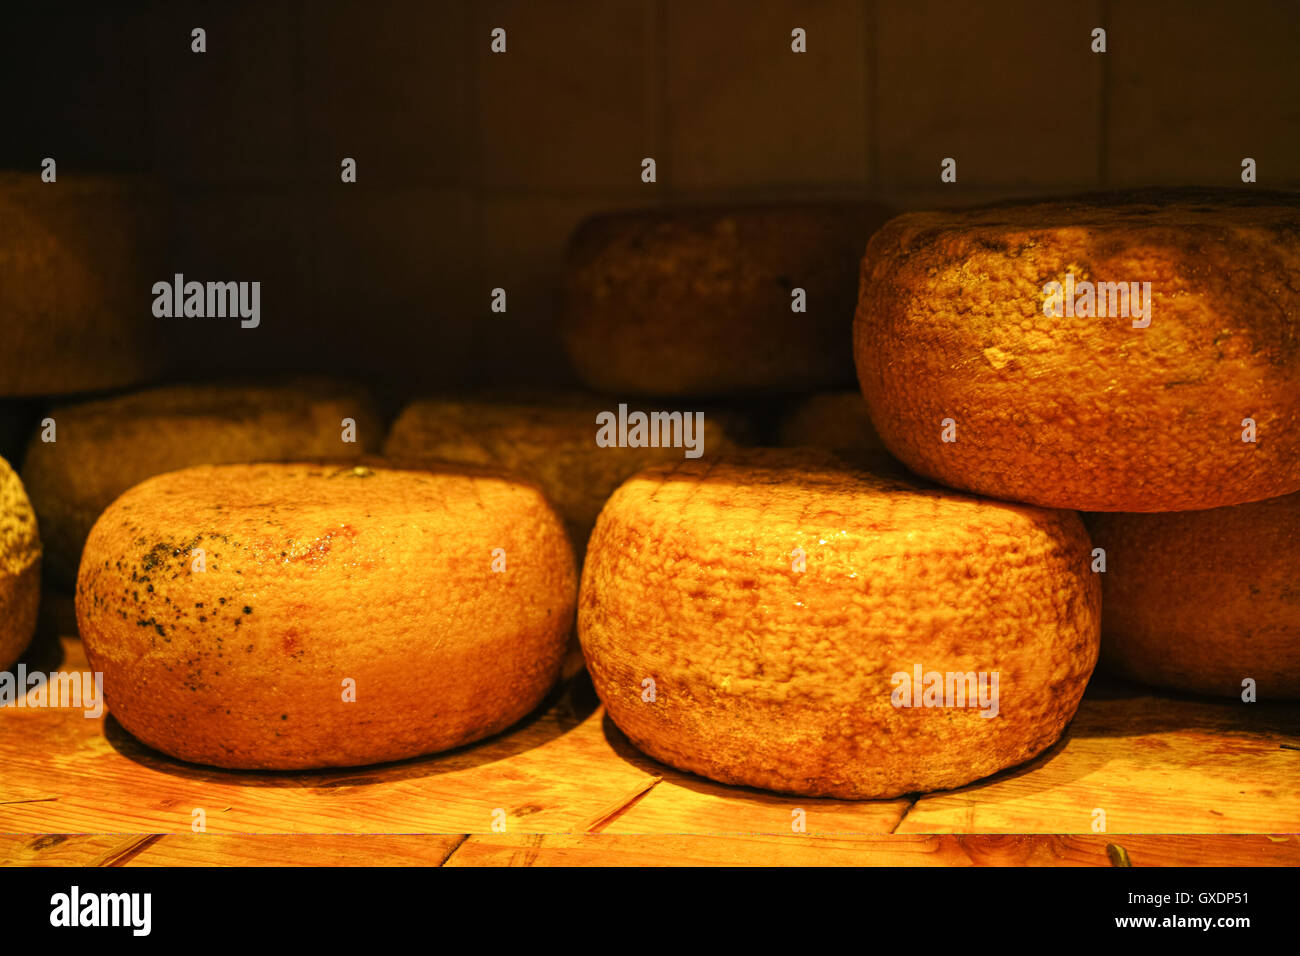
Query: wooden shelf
x=81 y=791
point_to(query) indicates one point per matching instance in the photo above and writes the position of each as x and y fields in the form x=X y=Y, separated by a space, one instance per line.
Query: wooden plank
x=1153 y=764
x=605 y=849
x=687 y=805
x=555 y=772
x=334 y=849
x=62 y=849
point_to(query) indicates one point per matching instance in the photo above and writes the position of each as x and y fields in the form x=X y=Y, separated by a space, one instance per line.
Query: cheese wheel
x=1202 y=600
x=972 y=383
x=77 y=260
x=717 y=650
x=838 y=421
x=701 y=301
x=20 y=568
x=553 y=443
x=345 y=614
x=105 y=446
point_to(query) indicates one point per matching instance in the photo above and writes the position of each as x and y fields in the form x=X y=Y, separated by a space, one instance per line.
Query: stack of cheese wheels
x=552 y=442
x=105 y=446
x=781 y=621
x=715 y=301
x=74 y=257
x=1105 y=353
x=286 y=616
x=1113 y=354
x=1205 y=601
x=20 y=567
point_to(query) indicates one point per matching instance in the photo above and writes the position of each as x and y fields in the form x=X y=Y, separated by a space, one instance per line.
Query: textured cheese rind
x=772 y=678
x=315 y=575
x=78 y=258
x=1079 y=412
x=107 y=445
x=553 y=444
x=20 y=568
x=1202 y=600
x=698 y=301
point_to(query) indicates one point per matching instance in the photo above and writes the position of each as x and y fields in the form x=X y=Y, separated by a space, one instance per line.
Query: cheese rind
x=707 y=301
x=720 y=649
x=20 y=567
x=107 y=445
x=970 y=383
x=342 y=614
x=77 y=259
x=1204 y=601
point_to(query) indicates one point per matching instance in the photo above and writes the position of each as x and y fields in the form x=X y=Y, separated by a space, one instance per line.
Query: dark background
x=473 y=168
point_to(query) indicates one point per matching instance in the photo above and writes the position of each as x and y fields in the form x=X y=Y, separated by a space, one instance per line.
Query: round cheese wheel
x=779 y=622
x=702 y=301
x=342 y=614
x=1136 y=352
x=105 y=446
x=77 y=260
x=553 y=443
x=20 y=568
x=1202 y=601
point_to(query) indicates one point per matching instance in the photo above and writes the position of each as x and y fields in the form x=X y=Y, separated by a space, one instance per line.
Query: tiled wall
x=474 y=167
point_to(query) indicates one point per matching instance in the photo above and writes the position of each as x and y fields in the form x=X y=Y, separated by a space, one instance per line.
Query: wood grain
x=1153 y=764
x=338 y=849
x=554 y=772
x=573 y=789
x=64 y=849
x=887 y=850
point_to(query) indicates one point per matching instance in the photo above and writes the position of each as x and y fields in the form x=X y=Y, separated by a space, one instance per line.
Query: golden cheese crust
x=107 y=445
x=77 y=257
x=319 y=578
x=20 y=568
x=1201 y=600
x=771 y=677
x=1087 y=412
x=698 y=302
x=551 y=443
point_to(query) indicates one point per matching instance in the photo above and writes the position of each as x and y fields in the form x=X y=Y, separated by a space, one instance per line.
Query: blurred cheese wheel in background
x=552 y=442
x=344 y=614
x=689 y=302
x=105 y=446
x=77 y=260
x=1202 y=600
x=20 y=568
x=840 y=422
x=720 y=649
x=971 y=383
